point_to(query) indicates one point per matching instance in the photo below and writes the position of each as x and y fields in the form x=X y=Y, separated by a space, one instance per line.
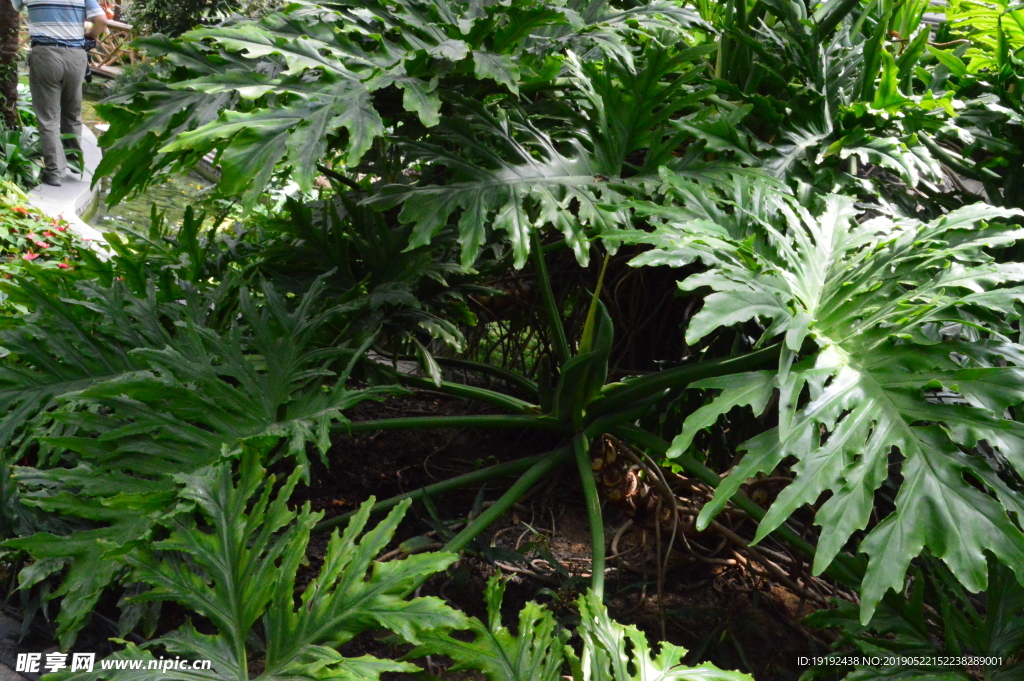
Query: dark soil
x=721 y=610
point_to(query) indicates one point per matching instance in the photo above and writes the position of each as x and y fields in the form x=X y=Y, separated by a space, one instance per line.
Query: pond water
x=170 y=196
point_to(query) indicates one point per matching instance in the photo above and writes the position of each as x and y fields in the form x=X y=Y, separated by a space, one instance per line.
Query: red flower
x=21 y=210
x=49 y=234
x=30 y=256
x=32 y=235
x=61 y=229
x=42 y=244
x=63 y=265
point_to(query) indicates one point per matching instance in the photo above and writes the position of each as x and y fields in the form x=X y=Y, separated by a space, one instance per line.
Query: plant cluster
x=831 y=189
x=20 y=148
x=31 y=239
x=150 y=16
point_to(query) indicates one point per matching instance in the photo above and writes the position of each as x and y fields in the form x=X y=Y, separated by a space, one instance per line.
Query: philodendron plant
x=232 y=557
x=865 y=323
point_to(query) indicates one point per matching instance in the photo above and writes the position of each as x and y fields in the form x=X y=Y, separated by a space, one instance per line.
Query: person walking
x=57 y=66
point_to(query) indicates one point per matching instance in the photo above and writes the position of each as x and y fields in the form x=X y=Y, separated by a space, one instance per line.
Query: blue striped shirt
x=59 y=21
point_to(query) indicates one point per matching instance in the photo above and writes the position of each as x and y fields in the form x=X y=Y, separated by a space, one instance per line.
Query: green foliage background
x=834 y=190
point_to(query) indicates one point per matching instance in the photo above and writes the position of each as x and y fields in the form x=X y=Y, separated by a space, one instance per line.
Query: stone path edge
x=76 y=196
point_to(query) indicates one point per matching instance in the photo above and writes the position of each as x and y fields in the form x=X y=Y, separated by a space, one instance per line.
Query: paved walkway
x=8 y=674
x=10 y=632
x=74 y=196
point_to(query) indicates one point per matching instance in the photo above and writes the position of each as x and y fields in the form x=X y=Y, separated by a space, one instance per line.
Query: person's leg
x=46 y=75
x=75 y=64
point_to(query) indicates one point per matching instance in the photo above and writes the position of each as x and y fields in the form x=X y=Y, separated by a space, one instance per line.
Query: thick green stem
x=510 y=377
x=606 y=423
x=947 y=157
x=829 y=17
x=587 y=339
x=625 y=394
x=841 y=569
x=737 y=51
x=512 y=404
x=476 y=477
x=590 y=495
x=547 y=463
x=723 y=103
x=496 y=421
x=550 y=305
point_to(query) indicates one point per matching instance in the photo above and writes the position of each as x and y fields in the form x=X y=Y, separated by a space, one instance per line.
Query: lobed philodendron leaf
x=293 y=88
x=498 y=67
x=92 y=560
x=234 y=561
x=173 y=404
x=740 y=390
x=504 y=173
x=899 y=155
x=617 y=652
x=874 y=297
x=204 y=391
x=531 y=186
x=59 y=351
x=533 y=653
x=905 y=623
x=723 y=133
x=537 y=651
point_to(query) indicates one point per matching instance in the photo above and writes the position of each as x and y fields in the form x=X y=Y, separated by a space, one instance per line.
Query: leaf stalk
x=550 y=304
x=623 y=395
x=594 y=516
x=479 y=476
x=844 y=569
x=483 y=421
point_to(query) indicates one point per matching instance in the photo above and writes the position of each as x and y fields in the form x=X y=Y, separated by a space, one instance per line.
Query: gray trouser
x=55 y=78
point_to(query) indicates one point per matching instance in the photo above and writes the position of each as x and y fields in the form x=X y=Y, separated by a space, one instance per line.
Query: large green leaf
x=263 y=377
x=91 y=559
x=61 y=347
x=536 y=652
x=298 y=87
x=112 y=451
x=234 y=562
x=534 y=190
x=506 y=173
x=906 y=624
x=873 y=297
x=813 y=96
x=899 y=156
x=533 y=653
x=616 y=652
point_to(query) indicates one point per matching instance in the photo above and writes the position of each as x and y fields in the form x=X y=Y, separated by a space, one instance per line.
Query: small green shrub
x=19 y=151
x=25 y=110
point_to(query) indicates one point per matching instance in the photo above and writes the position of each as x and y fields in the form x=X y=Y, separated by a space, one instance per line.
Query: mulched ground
x=721 y=609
